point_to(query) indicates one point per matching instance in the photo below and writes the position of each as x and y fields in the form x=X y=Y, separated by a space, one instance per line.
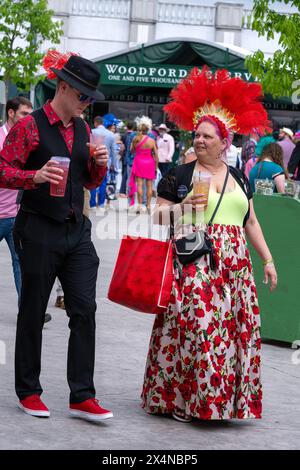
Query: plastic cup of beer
x=201 y=184
x=58 y=190
x=96 y=140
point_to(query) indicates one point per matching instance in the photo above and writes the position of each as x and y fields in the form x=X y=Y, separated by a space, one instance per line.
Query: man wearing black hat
x=53 y=238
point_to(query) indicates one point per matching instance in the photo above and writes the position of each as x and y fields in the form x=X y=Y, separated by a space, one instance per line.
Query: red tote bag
x=143 y=275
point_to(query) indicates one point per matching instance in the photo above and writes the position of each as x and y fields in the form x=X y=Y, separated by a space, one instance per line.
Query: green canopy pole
x=226 y=58
x=142 y=53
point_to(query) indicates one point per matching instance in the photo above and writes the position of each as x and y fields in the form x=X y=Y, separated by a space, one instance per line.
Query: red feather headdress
x=233 y=104
x=55 y=59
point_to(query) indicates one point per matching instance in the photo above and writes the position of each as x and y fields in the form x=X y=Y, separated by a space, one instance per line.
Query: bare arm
x=279 y=181
x=134 y=143
x=161 y=214
x=132 y=146
x=294 y=160
x=155 y=155
x=255 y=236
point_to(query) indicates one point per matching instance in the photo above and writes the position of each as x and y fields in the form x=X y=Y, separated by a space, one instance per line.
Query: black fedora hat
x=81 y=74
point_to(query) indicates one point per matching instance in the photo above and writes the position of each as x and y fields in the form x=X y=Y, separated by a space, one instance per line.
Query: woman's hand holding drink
x=197 y=201
x=201 y=184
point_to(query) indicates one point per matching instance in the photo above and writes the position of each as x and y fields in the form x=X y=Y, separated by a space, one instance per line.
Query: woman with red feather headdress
x=204 y=354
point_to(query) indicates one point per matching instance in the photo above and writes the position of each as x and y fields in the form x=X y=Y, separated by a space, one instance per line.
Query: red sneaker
x=34 y=406
x=90 y=410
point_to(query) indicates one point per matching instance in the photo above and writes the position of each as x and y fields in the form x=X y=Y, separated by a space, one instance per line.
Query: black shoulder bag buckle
x=198 y=243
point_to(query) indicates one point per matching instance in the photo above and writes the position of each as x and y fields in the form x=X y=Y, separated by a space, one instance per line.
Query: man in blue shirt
x=109 y=140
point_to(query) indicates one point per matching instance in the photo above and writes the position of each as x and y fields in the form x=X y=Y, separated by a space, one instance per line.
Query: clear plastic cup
x=58 y=190
x=96 y=140
x=201 y=185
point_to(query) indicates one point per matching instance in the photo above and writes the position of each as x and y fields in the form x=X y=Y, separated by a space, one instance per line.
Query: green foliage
x=278 y=73
x=24 y=24
x=186 y=138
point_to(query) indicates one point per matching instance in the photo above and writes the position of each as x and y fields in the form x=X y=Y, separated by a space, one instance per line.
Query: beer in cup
x=58 y=190
x=201 y=184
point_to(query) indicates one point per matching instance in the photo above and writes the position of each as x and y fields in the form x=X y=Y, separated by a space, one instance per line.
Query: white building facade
x=95 y=28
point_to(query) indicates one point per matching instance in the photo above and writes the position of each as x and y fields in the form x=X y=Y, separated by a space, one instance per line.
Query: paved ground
x=122 y=341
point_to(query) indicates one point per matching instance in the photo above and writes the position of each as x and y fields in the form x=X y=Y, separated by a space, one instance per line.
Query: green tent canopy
x=186 y=52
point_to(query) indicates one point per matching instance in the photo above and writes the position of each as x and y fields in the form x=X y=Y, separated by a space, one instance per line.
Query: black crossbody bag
x=197 y=244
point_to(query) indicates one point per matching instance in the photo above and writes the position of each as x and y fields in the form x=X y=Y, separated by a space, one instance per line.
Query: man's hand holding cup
x=101 y=156
x=98 y=149
x=49 y=173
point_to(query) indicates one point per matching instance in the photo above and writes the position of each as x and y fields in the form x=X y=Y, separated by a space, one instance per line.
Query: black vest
x=51 y=143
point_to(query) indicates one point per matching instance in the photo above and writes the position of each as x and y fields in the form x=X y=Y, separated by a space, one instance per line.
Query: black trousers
x=47 y=249
x=124 y=179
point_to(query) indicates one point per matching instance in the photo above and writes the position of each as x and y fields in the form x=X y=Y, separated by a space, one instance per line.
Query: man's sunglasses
x=82 y=97
x=85 y=98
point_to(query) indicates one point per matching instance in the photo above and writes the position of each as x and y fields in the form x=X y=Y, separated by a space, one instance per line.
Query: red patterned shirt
x=23 y=139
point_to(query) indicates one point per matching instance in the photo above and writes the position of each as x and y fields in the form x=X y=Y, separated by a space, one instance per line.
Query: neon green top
x=232 y=210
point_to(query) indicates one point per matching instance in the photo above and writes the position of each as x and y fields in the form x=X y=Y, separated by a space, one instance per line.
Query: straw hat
x=287 y=131
x=164 y=127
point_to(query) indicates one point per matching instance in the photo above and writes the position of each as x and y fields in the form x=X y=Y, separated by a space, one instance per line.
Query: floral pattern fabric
x=204 y=354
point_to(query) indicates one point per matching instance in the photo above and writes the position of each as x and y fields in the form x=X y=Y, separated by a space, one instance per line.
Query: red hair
x=217 y=123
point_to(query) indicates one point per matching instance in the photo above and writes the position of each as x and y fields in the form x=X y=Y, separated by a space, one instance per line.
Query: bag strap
x=172 y=226
x=260 y=168
x=220 y=198
x=172 y=231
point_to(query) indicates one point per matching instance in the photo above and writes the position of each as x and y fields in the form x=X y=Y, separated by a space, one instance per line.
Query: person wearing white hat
x=286 y=143
x=166 y=148
x=285 y=131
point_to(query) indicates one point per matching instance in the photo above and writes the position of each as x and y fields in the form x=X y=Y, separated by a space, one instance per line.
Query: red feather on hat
x=55 y=59
x=232 y=101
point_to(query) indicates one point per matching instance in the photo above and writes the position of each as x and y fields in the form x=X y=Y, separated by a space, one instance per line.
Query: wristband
x=268 y=261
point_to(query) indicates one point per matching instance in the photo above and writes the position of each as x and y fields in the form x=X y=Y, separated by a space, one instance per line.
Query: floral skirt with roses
x=204 y=354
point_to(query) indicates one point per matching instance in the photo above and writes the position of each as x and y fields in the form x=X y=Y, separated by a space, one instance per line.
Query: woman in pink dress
x=144 y=167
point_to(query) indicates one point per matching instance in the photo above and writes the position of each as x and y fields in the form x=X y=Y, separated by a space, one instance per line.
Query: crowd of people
x=148 y=150
x=274 y=157
x=140 y=153
x=204 y=354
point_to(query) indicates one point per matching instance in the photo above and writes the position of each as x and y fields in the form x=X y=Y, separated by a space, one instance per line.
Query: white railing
x=59 y=6
x=101 y=8
x=186 y=14
x=247 y=19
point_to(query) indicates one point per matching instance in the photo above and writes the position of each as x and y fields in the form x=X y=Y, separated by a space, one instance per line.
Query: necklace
x=212 y=171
